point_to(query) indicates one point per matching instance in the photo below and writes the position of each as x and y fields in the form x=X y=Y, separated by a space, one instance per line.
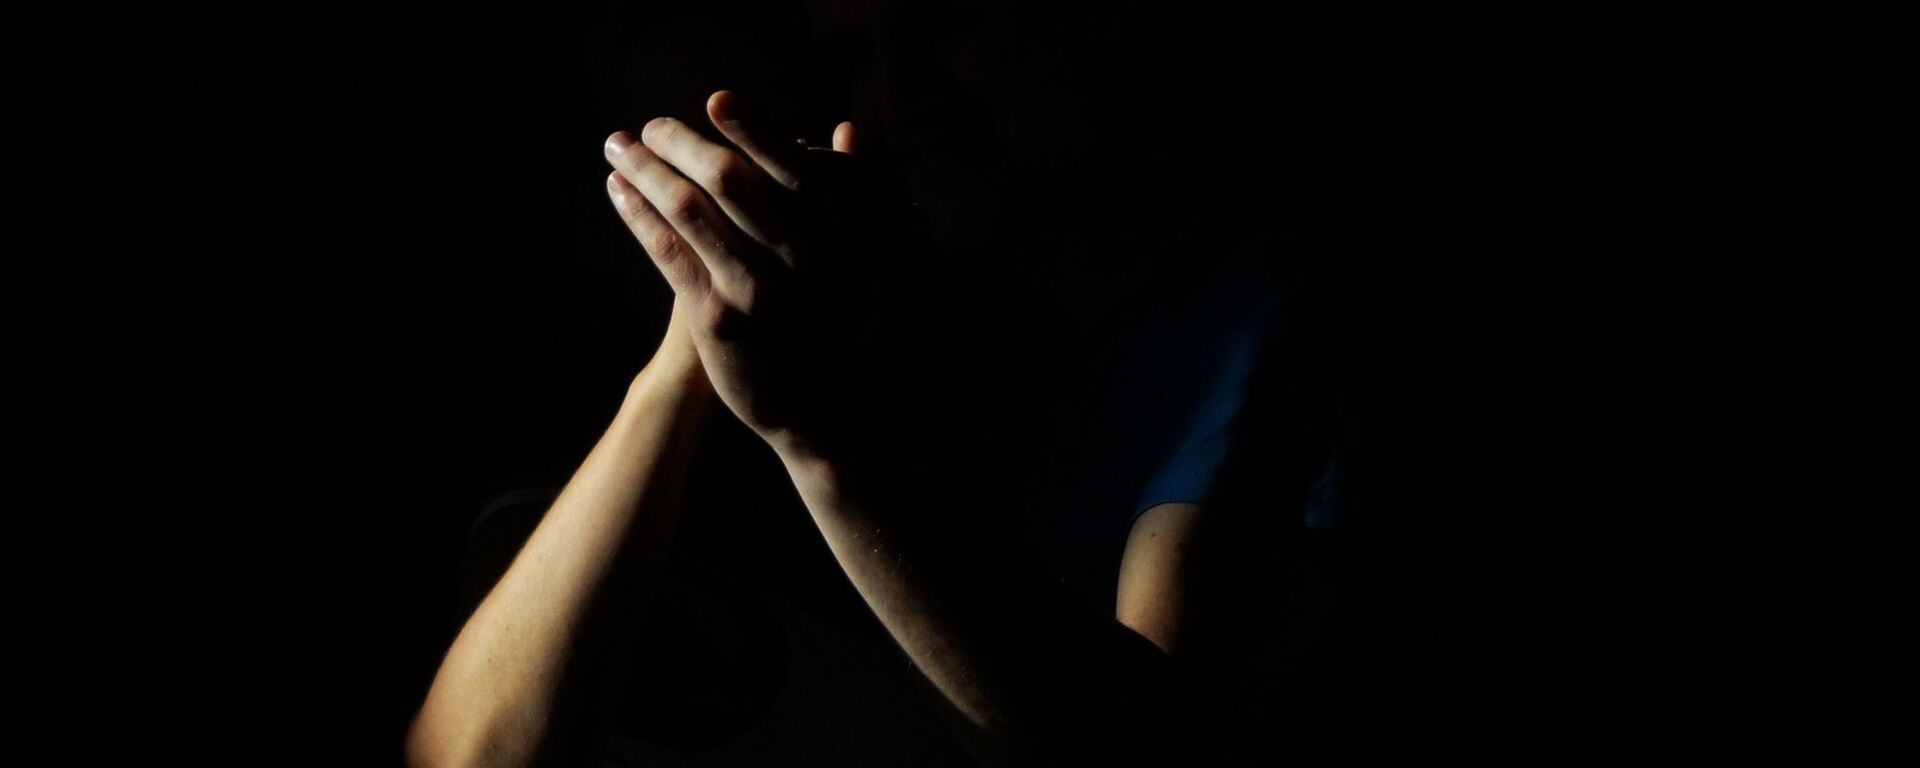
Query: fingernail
x=618 y=143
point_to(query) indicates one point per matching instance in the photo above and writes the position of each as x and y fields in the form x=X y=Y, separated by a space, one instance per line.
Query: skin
x=495 y=693
x=771 y=249
x=759 y=242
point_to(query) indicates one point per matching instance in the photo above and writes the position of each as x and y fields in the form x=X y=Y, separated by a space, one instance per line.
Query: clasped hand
x=778 y=257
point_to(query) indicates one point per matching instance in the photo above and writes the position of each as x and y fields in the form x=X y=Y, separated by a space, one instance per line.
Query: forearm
x=1032 y=674
x=491 y=699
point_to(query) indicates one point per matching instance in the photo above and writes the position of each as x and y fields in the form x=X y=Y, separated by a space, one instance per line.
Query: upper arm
x=1151 y=599
x=1239 y=610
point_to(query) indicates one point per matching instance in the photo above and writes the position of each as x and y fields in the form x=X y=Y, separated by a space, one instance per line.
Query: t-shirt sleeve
x=1202 y=443
x=1205 y=441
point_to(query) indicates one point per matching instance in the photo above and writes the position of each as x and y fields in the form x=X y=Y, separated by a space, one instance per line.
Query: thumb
x=843 y=137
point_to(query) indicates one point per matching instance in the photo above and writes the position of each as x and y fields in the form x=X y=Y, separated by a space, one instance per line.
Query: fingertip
x=843 y=137
x=721 y=105
x=650 y=133
x=617 y=143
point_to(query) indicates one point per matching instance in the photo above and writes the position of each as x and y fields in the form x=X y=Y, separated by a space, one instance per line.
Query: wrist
x=678 y=379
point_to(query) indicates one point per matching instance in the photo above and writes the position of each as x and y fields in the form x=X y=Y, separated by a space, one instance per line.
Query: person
x=1147 y=593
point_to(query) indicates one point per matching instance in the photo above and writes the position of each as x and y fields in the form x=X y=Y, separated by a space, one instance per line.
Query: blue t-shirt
x=1150 y=413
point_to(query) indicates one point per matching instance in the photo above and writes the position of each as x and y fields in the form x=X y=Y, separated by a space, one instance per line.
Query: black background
x=293 y=291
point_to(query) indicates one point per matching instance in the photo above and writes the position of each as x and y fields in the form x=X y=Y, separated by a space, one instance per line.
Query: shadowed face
x=1003 y=119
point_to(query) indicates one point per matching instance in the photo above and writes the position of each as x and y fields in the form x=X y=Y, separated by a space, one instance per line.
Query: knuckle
x=728 y=175
x=682 y=203
x=633 y=210
x=663 y=244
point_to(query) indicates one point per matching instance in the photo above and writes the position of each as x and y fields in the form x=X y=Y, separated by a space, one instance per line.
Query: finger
x=843 y=137
x=734 y=182
x=748 y=132
x=678 y=264
x=691 y=215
